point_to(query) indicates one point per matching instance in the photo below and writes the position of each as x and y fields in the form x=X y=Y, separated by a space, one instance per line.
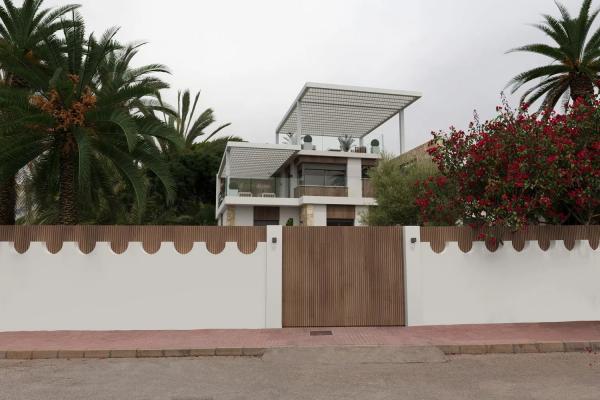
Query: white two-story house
x=296 y=183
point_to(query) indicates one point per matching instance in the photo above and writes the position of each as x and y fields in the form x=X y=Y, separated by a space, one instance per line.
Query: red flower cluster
x=518 y=169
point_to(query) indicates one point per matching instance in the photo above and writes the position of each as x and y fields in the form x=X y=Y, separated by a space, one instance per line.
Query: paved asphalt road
x=369 y=373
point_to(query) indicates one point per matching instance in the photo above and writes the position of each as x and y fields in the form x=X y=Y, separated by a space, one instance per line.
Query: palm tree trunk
x=8 y=189
x=8 y=201
x=67 y=191
x=581 y=86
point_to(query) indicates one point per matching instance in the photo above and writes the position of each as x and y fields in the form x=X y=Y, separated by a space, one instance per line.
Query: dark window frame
x=335 y=175
x=340 y=222
x=265 y=222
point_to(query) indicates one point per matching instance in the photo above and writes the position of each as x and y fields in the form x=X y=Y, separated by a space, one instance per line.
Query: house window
x=367 y=166
x=265 y=222
x=324 y=175
x=340 y=215
x=264 y=216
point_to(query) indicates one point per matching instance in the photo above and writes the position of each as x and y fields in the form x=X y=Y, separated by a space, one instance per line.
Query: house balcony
x=290 y=188
x=328 y=191
x=266 y=188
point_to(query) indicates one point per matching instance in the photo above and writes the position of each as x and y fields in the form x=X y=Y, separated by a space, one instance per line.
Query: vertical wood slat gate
x=343 y=276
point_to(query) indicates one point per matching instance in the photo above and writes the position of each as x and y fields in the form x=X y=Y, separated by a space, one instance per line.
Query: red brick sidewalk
x=573 y=336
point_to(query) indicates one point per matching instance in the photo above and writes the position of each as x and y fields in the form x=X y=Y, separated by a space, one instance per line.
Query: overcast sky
x=251 y=58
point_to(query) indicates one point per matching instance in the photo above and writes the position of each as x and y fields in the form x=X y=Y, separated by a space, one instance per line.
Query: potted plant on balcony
x=375 y=146
x=307 y=144
x=346 y=142
x=233 y=189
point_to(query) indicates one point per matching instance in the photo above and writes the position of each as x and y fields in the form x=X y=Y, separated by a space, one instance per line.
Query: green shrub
x=396 y=189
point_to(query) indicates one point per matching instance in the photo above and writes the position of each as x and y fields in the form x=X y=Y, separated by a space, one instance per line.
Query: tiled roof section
x=419 y=153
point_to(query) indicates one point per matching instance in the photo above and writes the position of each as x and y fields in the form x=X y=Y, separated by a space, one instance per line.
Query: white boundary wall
x=138 y=291
x=505 y=286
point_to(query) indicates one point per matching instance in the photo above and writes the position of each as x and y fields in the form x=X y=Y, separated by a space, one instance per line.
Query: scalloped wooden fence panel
x=439 y=237
x=151 y=237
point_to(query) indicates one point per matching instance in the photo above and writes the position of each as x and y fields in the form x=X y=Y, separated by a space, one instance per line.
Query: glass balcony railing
x=265 y=188
x=328 y=143
x=295 y=188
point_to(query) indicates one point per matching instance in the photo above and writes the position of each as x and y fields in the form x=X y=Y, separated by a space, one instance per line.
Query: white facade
x=244 y=216
x=237 y=207
x=319 y=215
x=167 y=290
x=138 y=291
x=506 y=286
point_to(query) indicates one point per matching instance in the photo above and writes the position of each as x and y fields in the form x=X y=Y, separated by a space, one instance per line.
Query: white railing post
x=402 y=132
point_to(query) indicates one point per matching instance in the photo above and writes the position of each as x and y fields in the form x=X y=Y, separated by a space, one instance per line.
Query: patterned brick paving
x=73 y=343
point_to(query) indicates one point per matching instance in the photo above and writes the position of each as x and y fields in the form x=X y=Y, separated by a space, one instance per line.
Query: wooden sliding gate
x=343 y=276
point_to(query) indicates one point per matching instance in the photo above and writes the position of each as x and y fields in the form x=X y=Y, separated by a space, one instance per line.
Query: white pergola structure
x=251 y=161
x=334 y=111
x=254 y=160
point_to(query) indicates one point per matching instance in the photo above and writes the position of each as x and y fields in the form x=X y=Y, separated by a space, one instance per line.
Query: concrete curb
x=507 y=348
x=473 y=349
x=122 y=353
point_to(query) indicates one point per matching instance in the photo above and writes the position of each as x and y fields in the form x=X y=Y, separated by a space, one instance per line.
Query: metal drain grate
x=321 y=333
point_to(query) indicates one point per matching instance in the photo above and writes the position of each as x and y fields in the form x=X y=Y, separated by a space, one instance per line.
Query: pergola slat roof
x=257 y=163
x=333 y=110
x=254 y=160
x=319 y=110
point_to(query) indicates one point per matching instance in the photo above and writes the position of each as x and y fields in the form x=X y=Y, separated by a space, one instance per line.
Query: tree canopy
x=85 y=136
x=396 y=186
x=574 y=58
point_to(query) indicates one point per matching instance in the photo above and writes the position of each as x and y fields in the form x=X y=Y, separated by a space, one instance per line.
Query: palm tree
x=23 y=31
x=182 y=119
x=575 y=59
x=92 y=115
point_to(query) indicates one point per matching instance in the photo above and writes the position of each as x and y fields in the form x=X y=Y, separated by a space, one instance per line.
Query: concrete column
x=402 y=132
x=314 y=215
x=293 y=178
x=244 y=216
x=319 y=215
x=283 y=185
x=354 y=177
x=360 y=212
x=229 y=216
x=274 y=278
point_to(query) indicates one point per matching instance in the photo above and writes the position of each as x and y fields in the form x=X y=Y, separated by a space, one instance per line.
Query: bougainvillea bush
x=518 y=169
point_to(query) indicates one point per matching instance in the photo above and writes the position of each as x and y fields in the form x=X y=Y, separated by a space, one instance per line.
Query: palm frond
x=542 y=49
x=123 y=162
x=548 y=70
x=184 y=120
x=216 y=131
x=152 y=160
x=575 y=52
